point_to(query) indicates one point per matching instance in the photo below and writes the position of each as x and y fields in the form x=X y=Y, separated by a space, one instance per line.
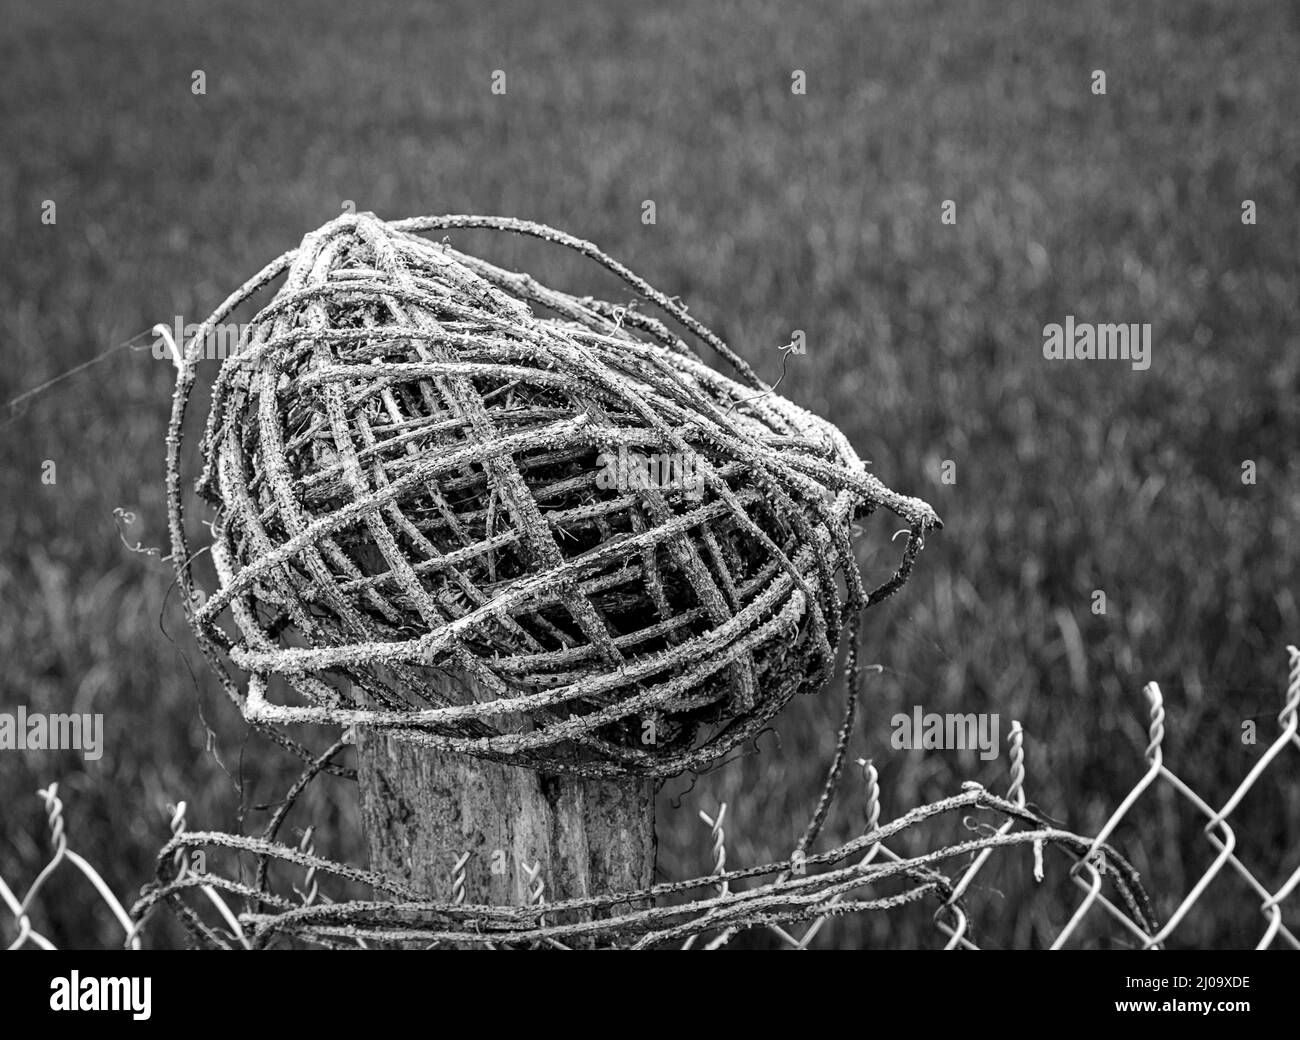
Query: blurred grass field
x=775 y=212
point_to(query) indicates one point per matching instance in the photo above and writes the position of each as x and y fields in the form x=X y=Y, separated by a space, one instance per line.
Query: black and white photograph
x=650 y=476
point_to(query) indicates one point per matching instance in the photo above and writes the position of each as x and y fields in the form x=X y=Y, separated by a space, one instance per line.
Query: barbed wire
x=458 y=519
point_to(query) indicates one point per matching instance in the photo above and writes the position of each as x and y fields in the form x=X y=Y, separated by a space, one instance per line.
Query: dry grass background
x=775 y=212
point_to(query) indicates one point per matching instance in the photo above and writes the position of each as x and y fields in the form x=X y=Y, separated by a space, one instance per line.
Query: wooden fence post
x=423 y=809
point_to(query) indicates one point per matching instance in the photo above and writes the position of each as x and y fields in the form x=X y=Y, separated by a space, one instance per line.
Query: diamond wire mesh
x=791 y=898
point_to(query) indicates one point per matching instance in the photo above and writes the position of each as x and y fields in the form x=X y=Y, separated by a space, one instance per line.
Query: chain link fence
x=792 y=899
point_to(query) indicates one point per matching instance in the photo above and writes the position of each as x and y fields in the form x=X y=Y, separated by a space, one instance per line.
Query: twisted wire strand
x=608 y=919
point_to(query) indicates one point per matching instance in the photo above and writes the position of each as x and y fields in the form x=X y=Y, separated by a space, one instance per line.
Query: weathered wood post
x=423 y=809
